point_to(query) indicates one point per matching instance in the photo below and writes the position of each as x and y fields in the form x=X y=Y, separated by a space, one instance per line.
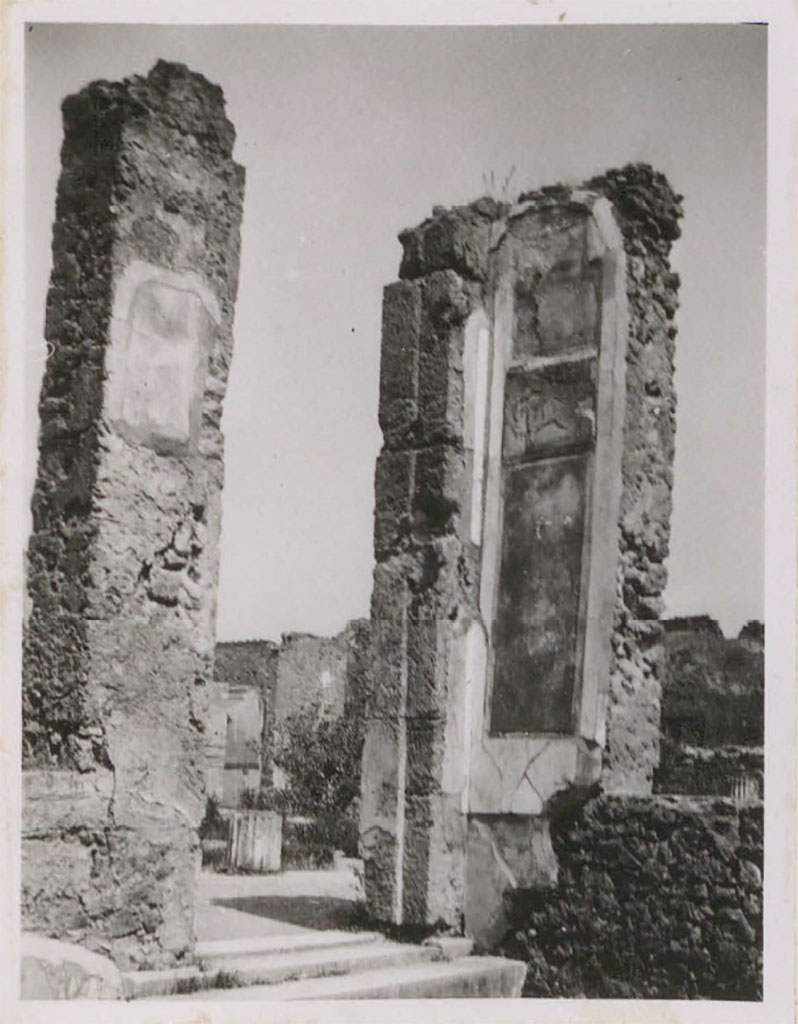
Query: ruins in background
x=259 y=684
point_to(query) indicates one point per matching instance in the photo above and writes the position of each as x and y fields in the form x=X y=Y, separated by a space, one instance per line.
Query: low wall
x=722 y=771
x=657 y=898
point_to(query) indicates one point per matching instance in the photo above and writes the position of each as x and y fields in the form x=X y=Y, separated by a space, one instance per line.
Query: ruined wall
x=523 y=496
x=331 y=670
x=713 y=690
x=657 y=898
x=648 y=213
x=310 y=669
x=713 y=709
x=288 y=677
x=250 y=664
x=425 y=581
x=123 y=557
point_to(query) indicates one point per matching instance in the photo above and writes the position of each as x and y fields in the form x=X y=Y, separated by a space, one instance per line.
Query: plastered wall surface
x=523 y=498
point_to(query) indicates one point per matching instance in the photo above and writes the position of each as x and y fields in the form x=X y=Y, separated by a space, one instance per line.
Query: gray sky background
x=350 y=134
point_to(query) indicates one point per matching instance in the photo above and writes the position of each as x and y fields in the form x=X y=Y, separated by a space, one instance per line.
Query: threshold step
x=480 y=977
x=268 y=969
x=222 y=949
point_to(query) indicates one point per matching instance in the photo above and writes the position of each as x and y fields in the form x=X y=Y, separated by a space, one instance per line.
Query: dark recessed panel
x=536 y=631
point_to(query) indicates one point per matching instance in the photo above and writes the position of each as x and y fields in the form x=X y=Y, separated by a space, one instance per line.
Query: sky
x=348 y=135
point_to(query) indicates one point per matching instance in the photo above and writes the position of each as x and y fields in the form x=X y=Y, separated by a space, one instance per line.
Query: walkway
x=255 y=906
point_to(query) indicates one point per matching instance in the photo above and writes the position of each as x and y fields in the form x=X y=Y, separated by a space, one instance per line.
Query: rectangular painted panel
x=536 y=632
x=549 y=410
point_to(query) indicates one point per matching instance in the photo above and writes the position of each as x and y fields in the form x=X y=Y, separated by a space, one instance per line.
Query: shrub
x=321 y=758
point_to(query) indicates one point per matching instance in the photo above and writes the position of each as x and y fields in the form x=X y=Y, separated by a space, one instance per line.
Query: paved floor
x=246 y=906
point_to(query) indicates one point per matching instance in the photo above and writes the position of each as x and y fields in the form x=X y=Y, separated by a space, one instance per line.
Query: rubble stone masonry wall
x=123 y=557
x=657 y=898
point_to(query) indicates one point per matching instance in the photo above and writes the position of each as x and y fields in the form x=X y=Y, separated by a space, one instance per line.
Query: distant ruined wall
x=123 y=557
x=299 y=672
x=325 y=669
x=713 y=691
x=251 y=664
x=713 y=709
x=523 y=499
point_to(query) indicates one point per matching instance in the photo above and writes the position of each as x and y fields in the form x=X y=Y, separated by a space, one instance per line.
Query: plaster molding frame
x=520 y=774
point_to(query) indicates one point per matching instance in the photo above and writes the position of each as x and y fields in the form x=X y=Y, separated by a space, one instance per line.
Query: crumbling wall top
x=184 y=100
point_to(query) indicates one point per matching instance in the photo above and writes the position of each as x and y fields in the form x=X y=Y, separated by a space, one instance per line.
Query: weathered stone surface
x=310 y=668
x=434 y=860
x=123 y=560
x=57 y=800
x=505 y=854
x=60 y=970
x=401 y=325
x=382 y=813
x=657 y=898
x=648 y=212
x=457 y=239
x=394 y=495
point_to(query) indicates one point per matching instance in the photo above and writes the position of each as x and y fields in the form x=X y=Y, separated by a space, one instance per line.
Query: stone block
x=255 y=842
x=382 y=773
x=426 y=676
x=394 y=493
x=426 y=739
x=59 y=970
x=389 y=638
x=434 y=860
x=53 y=801
x=441 y=385
x=401 y=320
x=457 y=239
x=441 y=493
x=381 y=815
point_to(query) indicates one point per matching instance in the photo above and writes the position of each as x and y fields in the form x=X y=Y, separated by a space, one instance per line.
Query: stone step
x=462 y=978
x=270 y=968
x=223 y=949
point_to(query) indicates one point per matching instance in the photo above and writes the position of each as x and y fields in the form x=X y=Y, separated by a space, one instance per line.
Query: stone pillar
x=434 y=361
x=123 y=558
x=521 y=526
